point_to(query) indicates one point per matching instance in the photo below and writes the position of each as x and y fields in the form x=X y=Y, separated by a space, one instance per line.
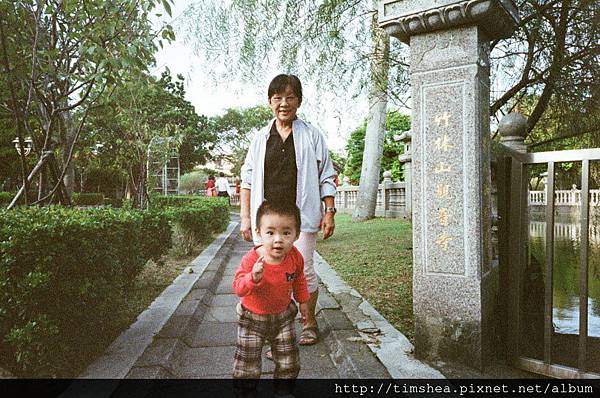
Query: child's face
x=278 y=234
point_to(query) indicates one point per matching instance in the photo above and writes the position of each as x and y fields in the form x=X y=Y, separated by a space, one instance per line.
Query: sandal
x=309 y=335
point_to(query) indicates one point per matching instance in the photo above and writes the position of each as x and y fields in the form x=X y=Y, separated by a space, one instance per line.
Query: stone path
x=198 y=341
x=189 y=332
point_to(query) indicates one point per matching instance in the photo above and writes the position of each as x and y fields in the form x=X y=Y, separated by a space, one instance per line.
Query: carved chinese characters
x=443 y=184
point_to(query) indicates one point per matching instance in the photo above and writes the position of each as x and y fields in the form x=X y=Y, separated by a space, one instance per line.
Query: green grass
x=375 y=258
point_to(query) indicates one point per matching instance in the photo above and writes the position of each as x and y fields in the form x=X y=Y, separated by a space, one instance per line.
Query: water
x=566 y=269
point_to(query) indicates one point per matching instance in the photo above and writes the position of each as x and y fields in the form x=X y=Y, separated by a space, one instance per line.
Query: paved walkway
x=198 y=341
x=189 y=331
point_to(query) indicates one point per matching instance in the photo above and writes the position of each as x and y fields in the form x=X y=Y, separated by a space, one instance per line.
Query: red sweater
x=272 y=294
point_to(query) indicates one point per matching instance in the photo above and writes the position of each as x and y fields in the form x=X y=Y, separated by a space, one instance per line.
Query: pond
x=566 y=272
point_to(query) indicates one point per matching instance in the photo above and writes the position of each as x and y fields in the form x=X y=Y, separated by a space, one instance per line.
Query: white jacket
x=315 y=172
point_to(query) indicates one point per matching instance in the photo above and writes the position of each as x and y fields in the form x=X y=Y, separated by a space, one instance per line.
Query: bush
x=194 y=218
x=114 y=202
x=88 y=199
x=193 y=182
x=64 y=274
x=5 y=198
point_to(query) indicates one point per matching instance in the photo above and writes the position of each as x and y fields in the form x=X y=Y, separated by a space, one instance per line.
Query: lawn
x=375 y=258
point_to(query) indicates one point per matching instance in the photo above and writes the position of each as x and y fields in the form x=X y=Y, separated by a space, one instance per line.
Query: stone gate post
x=449 y=69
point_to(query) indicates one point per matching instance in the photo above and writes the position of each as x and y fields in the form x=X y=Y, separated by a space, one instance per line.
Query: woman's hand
x=327 y=225
x=246 y=229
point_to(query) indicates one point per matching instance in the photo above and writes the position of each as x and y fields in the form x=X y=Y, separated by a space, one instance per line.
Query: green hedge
x=194 y=218
x=64 y=274
x=88 y=199
x=7 y=197
x=113 y=202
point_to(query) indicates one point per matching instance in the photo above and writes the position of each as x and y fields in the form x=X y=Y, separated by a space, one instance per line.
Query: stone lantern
x=406 y=159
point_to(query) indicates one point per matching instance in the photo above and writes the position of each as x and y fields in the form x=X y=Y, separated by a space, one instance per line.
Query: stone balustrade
x=570 y=197
x=391 y=199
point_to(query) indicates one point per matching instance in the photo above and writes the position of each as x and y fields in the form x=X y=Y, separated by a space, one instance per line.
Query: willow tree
x=59 y=57
x=336 y=45
x=366 y=202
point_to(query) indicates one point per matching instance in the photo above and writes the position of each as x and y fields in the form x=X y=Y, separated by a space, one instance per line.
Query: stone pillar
x=513 y=129
x=385 y=197
x=449 y=69
x=345 y=184
x=406 y=160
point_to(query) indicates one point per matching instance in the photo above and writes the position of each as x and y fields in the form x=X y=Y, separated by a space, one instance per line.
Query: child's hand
x=257 y=270
x=304 y=311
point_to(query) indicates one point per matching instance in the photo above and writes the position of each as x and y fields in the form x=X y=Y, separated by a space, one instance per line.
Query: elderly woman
x=288 y=160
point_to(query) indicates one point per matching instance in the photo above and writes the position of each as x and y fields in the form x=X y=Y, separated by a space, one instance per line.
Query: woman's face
x=284 y=105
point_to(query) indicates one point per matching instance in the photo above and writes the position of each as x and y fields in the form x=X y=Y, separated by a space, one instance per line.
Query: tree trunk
x=69 y=138
x=366 y=201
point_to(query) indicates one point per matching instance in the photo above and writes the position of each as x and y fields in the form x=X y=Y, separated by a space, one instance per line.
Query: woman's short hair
x=280 y=83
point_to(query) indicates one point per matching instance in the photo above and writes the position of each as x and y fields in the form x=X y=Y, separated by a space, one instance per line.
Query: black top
x=280 y=168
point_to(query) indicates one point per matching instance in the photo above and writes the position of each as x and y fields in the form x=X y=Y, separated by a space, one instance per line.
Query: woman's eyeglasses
x=277 y=99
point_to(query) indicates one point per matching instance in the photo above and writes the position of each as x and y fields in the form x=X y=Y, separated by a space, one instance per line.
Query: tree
x=396 y=123
x=337 y=43
x=552 y=64
x=60 y=57
x=366 y=201
x=235 y=129
x=339 y=162
x=142 y=116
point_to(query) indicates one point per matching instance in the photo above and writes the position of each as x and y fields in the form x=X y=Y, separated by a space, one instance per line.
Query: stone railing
x=564 y=197
x=391 y=199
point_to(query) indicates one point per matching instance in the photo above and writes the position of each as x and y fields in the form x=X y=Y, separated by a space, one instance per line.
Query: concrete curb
x=391 y=347
x=157 y=360
x=348 y=351
x=125 y=350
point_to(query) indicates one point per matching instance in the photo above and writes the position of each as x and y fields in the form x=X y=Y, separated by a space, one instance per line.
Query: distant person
x=210 y=186
x=265 y=280
x=237 y=186
x=288 y=161
x=222 y=186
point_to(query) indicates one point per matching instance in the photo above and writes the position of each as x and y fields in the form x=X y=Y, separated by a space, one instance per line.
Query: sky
x=335 y=118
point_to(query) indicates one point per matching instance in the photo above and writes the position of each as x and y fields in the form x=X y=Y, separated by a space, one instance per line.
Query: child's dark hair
x=282 y=208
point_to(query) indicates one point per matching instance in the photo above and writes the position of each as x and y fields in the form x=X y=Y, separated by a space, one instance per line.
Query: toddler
x=266 y=279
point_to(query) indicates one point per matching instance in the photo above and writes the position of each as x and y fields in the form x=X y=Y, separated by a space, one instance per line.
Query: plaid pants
x=253 y=330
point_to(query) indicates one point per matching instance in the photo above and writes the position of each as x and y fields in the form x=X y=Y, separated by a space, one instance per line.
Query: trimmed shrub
x=64 y=274
x=88 y=199
x=194 y=218
x=193 y=182
x=5 y=198
x=113 y=202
